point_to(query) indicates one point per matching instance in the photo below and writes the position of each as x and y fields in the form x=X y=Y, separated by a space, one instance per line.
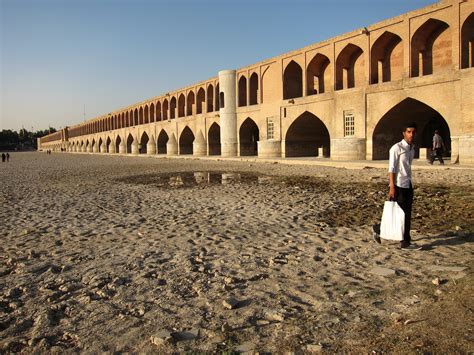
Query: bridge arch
x=349 y=67
x=214 y=139
x=467 y=42
x=186 y=140
x=305 y=135
x=249 y=135
x=430 y=48
x=388 y=129
x=292 y=81
x=386 y=55
x=161 y=142
x=143 y=143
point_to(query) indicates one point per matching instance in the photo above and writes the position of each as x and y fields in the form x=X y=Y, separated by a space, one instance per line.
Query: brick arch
x=190 y=101
x=161 y=141
x=430 y=48
x=292 y=81
x=317 y=75
x=200 y=100
x=242 y=94
x=249 y=135
x=386 y=55
x=214 y=139
x=181 y=105
x=253 y=89
x=349 y=67
x=467 y=42
x=186 y=139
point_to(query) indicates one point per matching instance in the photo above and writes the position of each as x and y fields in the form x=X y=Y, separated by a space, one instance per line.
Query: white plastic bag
x=392 y=226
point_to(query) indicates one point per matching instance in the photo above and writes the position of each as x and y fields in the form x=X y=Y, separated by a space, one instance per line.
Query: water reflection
x=197 y=178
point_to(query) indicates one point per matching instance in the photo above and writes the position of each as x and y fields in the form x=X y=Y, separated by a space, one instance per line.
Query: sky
x=59 y=56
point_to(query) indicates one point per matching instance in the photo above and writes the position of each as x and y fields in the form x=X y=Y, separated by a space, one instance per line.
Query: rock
x=274 y=316
x=262 y=322
x=381 y=271
x=161 y=337
x=397 y=318
x=447 y=268
x=436 y=281
x=186 y=335
x=230 y=303
x=228 y=280
x=226 y=328
x=314 y=348
x=245 y=347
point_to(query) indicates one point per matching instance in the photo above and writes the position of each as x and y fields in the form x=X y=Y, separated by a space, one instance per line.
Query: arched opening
x=136 y=118
x=210 y=98
x=118 y=140
x=388 y=130
x=107 y=144
x=152 y=113
x=214 y=139
x=173 y=108
x=216 y=97
x=430 y=48
x=253 y=89
x=386 y=62
x=165 y=108
x=242 y=91
x=305 y=135
x=349 y=67
x=249 y=135
x=190 y=103
x=100 y=146
x=143 y=142
x=186 y=141
x=201 y=98
x=181 y=105
x=292 y=81
x=158 y=111
x=146 y=115
x=129 y=144
x=127 y=121
x=467 y=43
x=316 y=75
x=161 y=143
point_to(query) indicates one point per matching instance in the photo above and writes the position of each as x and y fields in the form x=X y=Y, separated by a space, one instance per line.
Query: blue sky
x=57 y=56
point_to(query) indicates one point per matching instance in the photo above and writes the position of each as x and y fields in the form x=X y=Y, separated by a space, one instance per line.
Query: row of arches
x=430 y=49
x=303 y=138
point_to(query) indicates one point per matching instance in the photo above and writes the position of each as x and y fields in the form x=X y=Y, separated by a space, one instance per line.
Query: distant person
x=400 y=180
x=8 y=157
x=3 y=157
x=438 y=148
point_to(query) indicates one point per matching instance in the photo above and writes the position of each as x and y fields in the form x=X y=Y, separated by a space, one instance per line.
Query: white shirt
x=401 y=156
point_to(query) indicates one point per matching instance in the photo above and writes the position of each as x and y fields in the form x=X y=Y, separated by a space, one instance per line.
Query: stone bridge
x=346 y=98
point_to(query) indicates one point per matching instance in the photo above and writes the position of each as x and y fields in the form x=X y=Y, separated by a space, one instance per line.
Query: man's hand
x=391 y=193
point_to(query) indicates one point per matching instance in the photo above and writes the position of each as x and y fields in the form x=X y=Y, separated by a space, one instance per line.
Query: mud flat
x=106 y=254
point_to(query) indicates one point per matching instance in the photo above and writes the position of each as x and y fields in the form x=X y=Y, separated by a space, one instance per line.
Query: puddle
x=197 y=178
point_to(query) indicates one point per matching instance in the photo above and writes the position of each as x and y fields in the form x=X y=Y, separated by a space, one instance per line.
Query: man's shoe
x=376 y=233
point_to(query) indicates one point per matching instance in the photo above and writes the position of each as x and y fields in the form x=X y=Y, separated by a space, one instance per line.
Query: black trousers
x=404 y=198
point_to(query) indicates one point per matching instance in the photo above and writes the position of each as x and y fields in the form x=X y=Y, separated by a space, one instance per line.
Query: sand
x=134 y=254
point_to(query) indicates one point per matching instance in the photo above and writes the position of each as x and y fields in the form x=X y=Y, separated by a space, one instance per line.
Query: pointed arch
x=107 y=144
x=430 y=48
x=165 y=108
x=118 y=140
x=305 y=135
x=214 y=139
x=242 y=91
x=249 y=135
x=386 y=56
x=190 y=103
x=186 y=140
x=161 y=142
x=388 y=130
x=129 y=143
x=210 y=98
x=146 y=115
x=173 y=107
x=201 y=99
x=317 y=75
x=467 y=43
x=99 y=145
x=140 y=116
x=142 y=148
x=292 y=81
x=181 y=105
x=253 y=89
x=216 y=98
x=349 y=67
x=158 y=111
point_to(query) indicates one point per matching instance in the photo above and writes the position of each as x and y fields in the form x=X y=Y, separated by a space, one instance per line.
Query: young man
x=400 y=180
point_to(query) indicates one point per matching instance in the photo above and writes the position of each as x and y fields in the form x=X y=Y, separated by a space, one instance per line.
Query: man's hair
x=409 y=125
x=436 y=131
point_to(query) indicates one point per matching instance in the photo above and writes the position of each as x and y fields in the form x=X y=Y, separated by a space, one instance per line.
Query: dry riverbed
x=115 y=254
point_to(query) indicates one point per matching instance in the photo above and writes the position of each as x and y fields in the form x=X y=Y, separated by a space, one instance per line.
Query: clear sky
x=59 y=55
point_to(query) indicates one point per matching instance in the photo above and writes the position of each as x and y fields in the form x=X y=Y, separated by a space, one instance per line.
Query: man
x=438 y=148
x=400 y=180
